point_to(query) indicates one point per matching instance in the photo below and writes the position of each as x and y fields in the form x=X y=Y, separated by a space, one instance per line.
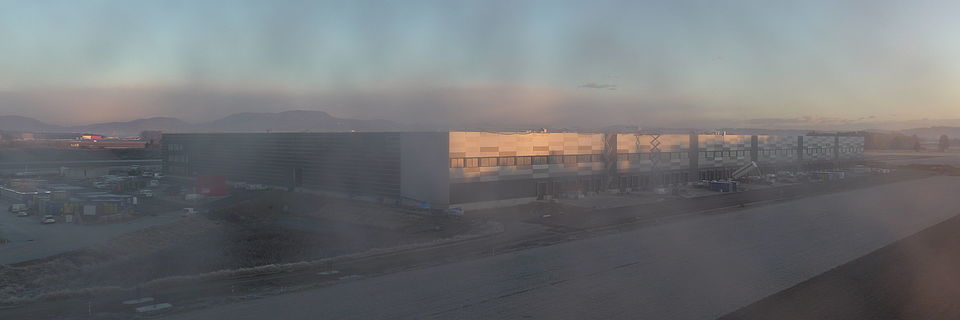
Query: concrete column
x=836 y=152
x=800 y=150
x=610 y=160
x=694 y=156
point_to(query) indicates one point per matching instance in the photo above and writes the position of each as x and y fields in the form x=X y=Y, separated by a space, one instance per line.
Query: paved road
x=914 y=278
x=54 y=166
x=692 y=269
x=905 y=157
x=78 y=163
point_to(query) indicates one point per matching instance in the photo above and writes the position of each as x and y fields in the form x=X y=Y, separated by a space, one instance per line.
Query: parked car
x=23 y=213
x=48 y=219
x=146 y=193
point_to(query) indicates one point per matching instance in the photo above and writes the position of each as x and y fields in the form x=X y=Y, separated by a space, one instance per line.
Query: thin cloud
x=861 y=123
x=594 y=85
x=808 y=120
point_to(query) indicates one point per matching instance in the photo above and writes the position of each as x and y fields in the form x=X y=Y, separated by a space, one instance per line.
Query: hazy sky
x=566 y=62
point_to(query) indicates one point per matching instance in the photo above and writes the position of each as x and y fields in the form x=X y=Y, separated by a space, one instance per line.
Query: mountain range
x=297 y=120
x=319 y=121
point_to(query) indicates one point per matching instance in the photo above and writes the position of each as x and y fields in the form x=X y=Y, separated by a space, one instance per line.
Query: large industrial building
x=486 y=169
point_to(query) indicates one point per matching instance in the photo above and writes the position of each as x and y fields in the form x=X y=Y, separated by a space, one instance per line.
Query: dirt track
x=915 y=278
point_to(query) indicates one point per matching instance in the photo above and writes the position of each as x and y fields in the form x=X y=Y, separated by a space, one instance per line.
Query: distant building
x=488 y=169
x=109 y=144
x=68 y=140
x=152 y=138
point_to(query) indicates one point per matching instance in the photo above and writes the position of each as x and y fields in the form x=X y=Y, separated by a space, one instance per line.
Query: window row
x=649 y=156
x=777 y=152
x=724 y=154
x=790 y=152
x=587 y=158
x=523 y=160
x=830 y=150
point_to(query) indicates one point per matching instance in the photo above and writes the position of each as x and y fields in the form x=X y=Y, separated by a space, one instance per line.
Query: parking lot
x=26 y=238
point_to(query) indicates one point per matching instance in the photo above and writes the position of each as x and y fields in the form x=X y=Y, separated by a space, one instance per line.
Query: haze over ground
x=810 y=64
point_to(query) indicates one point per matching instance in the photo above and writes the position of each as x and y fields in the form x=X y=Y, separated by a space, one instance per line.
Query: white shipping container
x=89 y=210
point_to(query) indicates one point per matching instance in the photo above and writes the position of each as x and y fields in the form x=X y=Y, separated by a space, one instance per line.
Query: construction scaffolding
x=655 y=176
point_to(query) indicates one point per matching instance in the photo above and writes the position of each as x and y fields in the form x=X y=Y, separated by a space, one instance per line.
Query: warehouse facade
x=486 y=169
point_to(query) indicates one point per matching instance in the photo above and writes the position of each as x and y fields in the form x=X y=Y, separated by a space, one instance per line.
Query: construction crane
x=745 y=170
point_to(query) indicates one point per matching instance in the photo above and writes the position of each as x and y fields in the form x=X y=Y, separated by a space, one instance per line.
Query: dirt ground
x=275 y=228
x=915 y=278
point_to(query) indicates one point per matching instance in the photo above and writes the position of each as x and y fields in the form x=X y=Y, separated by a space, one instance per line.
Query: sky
x=585 y=63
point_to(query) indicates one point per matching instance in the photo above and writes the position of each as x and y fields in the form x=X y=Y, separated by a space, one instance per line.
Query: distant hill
x=319 y=121
x=771 y=132
x=133 y=128
x=25 y=124
x=298 y=120
x=933 y=132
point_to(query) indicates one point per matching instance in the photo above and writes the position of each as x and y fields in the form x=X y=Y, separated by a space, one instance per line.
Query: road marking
x=154 y=307
x=139 y=301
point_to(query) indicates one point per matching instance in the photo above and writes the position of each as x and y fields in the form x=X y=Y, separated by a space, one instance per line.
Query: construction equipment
x=745 y=170
x=654 y=143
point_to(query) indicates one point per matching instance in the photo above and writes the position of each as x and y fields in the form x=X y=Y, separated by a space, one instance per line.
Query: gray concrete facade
x=423 y=167
x=487 y=169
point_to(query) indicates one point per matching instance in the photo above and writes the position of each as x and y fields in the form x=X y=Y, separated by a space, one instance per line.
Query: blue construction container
x=723 y=186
